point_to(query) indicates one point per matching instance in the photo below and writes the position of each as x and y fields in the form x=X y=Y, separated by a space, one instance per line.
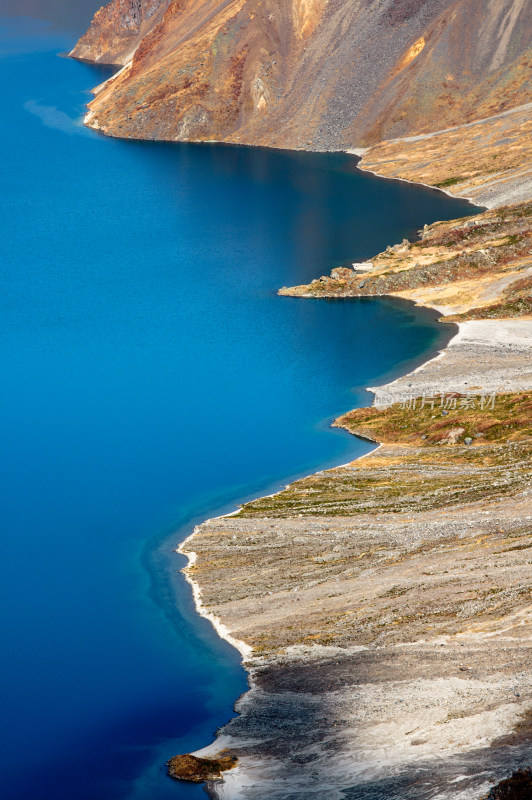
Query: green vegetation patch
x=429 y=464
x=449 y=182
x=436 y=420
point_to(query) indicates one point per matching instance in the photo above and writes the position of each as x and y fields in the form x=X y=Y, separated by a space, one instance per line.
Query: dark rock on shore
x=518 y=787
x=196 y=770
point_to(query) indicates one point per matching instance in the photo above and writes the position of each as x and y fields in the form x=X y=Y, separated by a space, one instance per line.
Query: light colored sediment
x=185 y=548
x=381 y=733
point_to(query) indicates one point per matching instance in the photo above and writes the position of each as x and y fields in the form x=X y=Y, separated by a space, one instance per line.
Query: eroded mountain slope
x=117 y=30
x=306 y=73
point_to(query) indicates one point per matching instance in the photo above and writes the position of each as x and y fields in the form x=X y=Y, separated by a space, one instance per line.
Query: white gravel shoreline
x=493 y=355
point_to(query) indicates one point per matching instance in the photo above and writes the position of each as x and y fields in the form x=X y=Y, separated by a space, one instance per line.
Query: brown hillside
x=306 y=73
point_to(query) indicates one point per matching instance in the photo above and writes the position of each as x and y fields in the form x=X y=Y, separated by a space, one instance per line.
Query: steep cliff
x=117 y=30
x=306 y=73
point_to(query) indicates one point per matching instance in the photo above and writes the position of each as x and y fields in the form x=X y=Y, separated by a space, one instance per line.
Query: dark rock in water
x=191 y=768
x=518 y=787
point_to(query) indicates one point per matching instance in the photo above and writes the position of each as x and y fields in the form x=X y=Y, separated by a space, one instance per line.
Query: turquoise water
x=151 y=377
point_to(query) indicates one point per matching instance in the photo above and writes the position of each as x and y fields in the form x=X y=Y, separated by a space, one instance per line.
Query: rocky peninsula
x=383 y=608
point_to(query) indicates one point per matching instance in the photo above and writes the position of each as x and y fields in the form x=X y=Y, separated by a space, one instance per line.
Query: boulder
x=341 y=273
x=191 y=768
x=517 y=787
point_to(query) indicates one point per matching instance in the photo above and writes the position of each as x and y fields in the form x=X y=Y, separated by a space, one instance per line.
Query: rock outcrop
x=315 y=74
x=117 y=30
x=193 y=769
x=518 y=787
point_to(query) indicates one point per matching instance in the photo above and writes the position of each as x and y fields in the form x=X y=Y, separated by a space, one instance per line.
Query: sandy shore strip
x=222 y=630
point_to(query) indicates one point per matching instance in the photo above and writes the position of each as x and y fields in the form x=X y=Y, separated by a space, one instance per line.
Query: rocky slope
x=117 y=30
x=306 y=73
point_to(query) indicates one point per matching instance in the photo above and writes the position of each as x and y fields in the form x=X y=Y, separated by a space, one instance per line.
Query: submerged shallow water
x=152 y=377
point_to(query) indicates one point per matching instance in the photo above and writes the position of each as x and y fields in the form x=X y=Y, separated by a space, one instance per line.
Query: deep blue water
x=151 y=377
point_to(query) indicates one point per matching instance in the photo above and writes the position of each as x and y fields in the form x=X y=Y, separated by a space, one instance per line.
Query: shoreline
x=339 y=589
x=274 y=639
x=261 y=765
x=223 y=632
x=360 y=152
x=229 y=788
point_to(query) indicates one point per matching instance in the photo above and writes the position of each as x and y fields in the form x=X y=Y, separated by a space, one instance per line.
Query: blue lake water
x=150 y=378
